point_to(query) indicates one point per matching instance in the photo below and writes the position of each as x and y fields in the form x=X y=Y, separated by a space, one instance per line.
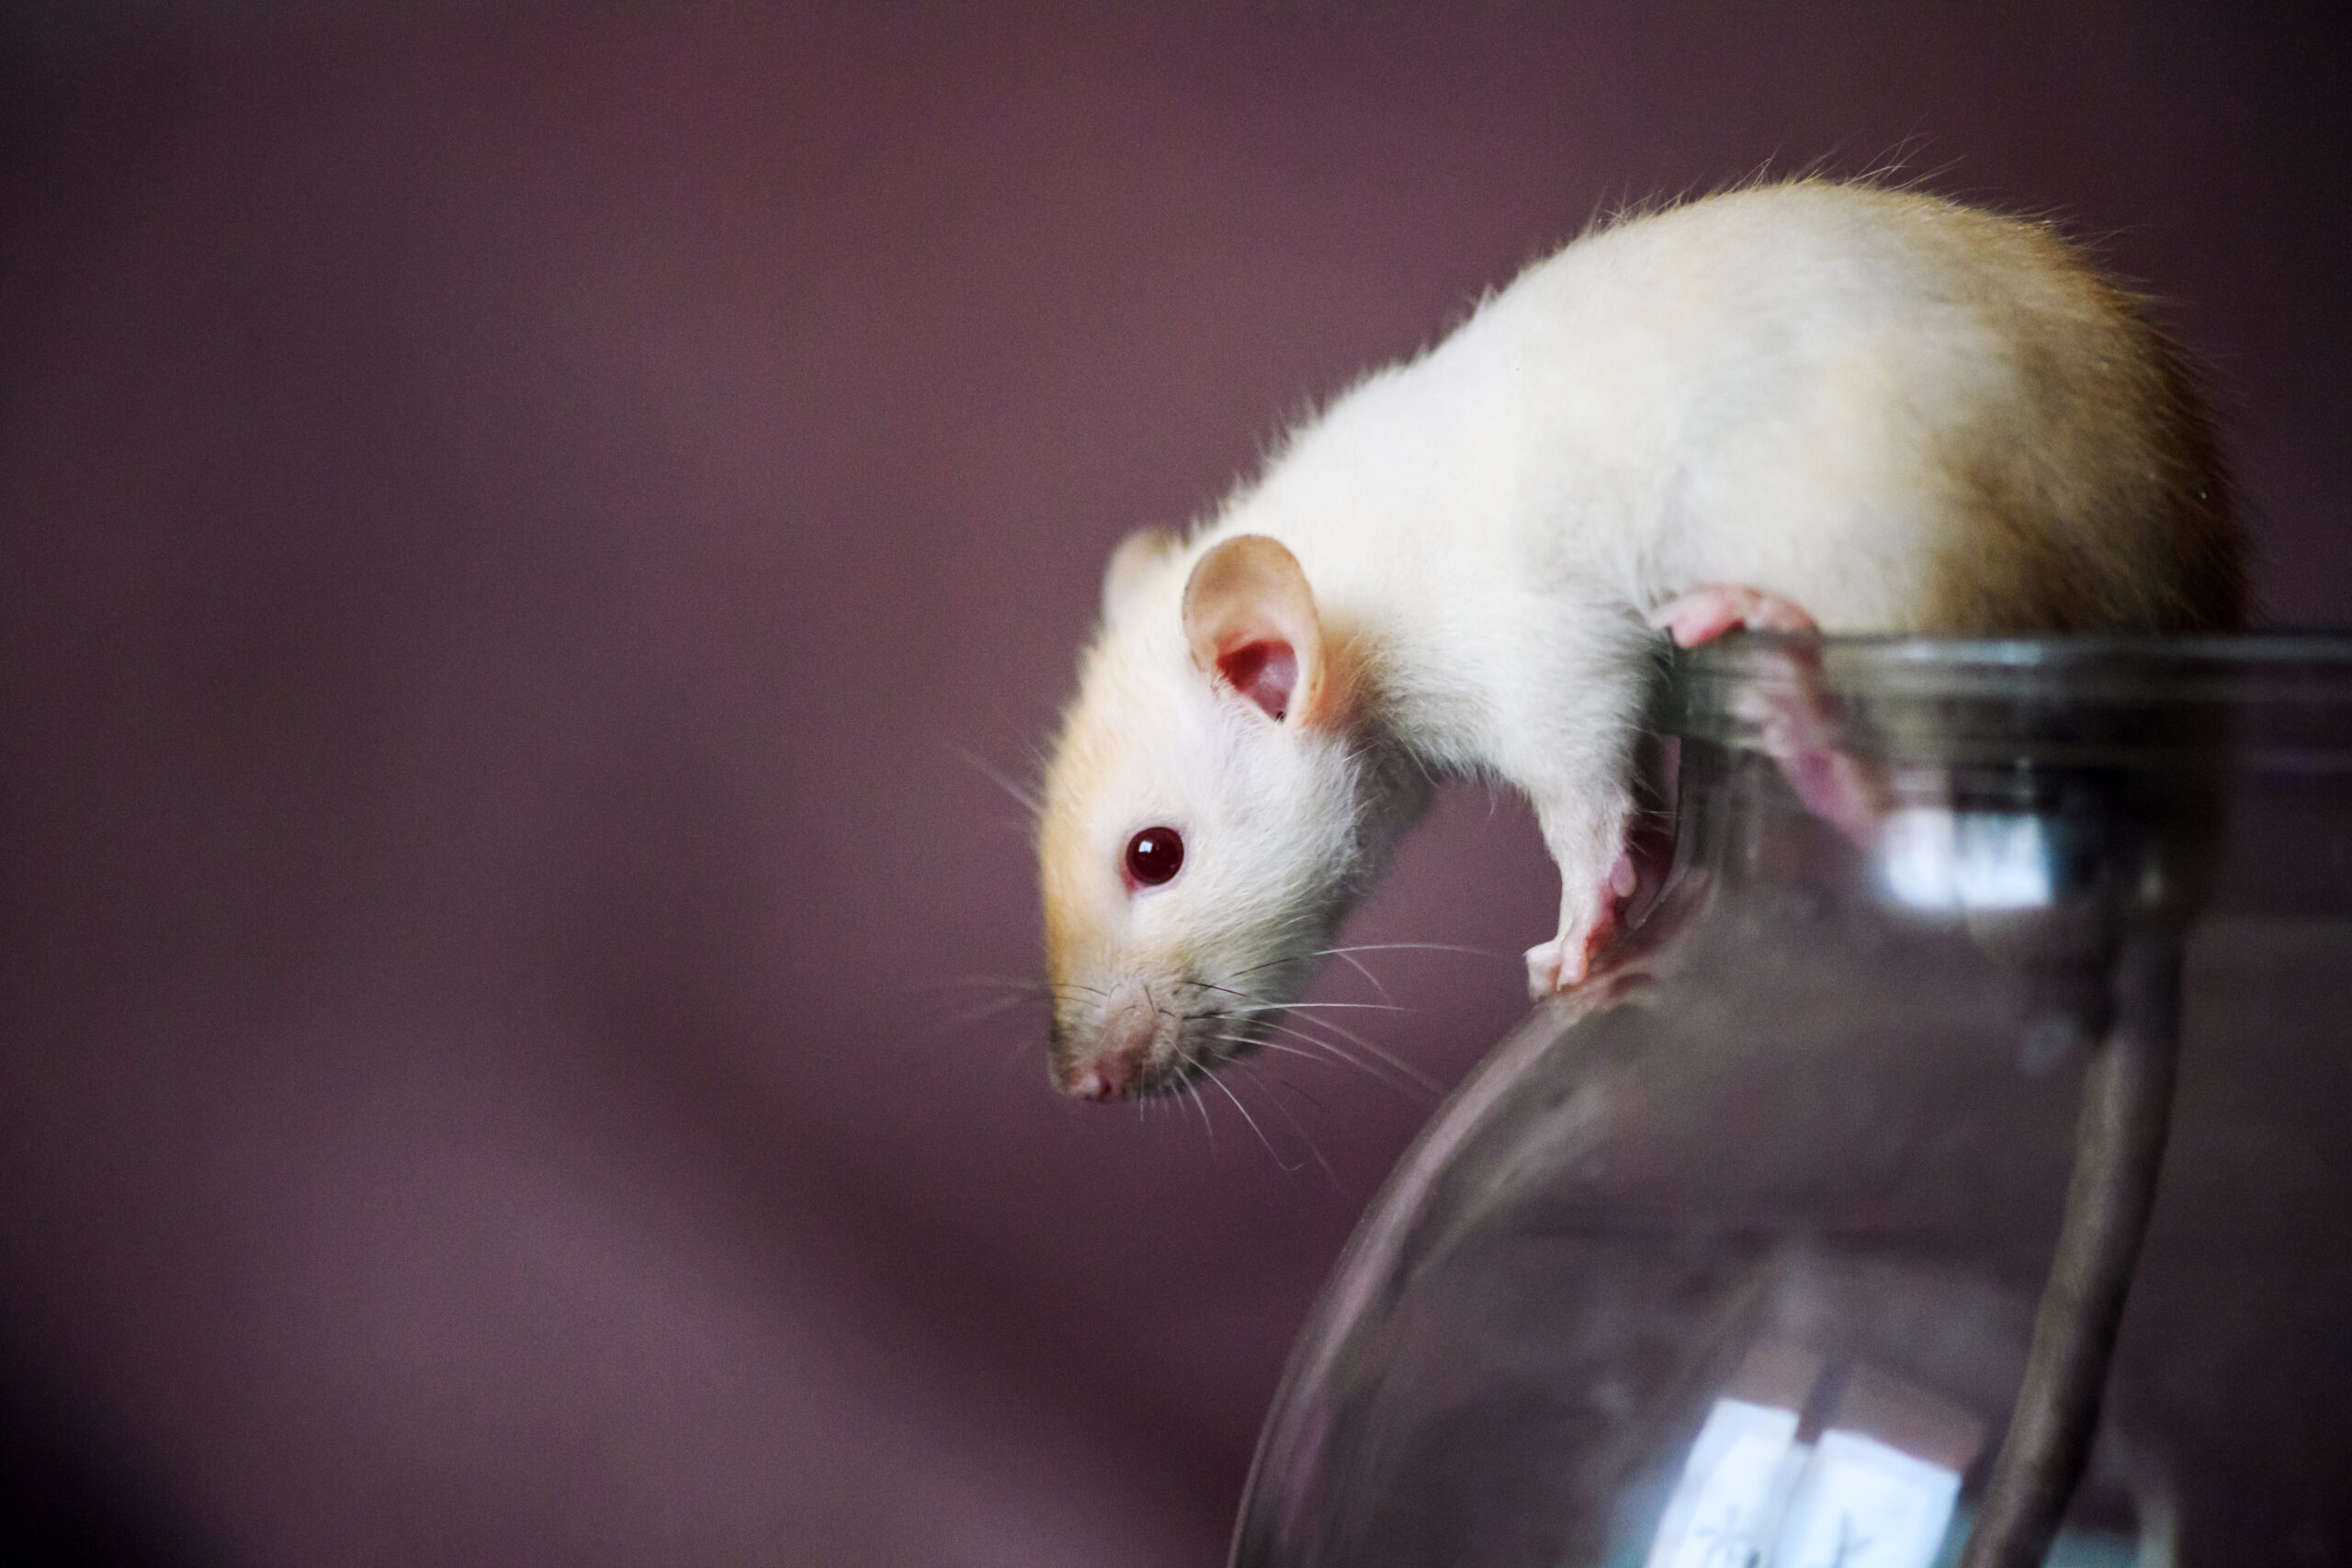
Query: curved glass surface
x=1959 y=1170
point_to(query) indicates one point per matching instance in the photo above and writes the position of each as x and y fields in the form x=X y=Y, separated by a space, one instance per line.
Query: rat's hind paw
x=1710 y=613
x=1795 y=717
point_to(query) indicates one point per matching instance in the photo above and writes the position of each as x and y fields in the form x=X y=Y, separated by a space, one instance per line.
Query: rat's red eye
x=1154 y=856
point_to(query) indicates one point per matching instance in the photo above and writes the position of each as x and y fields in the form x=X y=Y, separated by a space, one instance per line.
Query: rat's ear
x=1251 y=619
x=1136 y=561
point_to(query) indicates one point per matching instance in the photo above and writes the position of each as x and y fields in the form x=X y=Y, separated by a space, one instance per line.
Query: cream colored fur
x=1897 y=412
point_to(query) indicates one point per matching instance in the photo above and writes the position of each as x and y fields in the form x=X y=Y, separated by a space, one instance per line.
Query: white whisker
x=1284 y=1112
x=1322 y=1006
x=1191 y=1088
x=1413 y=1087
x=1352 y=962
x=1220 y=1085
x=1419 y=1080
x=988 y=770
x=980 y=1014
x=1416 y=947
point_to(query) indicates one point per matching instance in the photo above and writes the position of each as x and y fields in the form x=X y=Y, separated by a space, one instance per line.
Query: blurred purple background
x=511 y=517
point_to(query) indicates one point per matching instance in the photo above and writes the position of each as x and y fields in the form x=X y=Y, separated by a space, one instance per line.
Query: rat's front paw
x=1545 y=962
x=1556 y=968
x=1568 y=960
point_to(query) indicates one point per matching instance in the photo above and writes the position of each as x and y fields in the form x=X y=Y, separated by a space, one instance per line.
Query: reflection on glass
x=1735 y=1485
x=1862 y=1504
x=1720 y=1514
x=1876 y=1488
x=1936 y=858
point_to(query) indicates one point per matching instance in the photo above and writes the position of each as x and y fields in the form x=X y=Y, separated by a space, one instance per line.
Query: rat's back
x=1905 y=413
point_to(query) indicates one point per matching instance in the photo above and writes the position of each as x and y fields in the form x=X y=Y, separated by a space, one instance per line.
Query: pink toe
x=1623 y=879
x=1710 y=613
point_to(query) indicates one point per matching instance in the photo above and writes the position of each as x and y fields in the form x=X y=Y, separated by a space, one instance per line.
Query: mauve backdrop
x=510 y=516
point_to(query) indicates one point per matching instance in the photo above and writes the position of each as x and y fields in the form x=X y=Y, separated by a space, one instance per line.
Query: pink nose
x=1113 y=1069
x=1096 y=1083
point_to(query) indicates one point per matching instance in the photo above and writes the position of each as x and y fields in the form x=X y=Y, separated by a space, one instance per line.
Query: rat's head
x=1208 y=816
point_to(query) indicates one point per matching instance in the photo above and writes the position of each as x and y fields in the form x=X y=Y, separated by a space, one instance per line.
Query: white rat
x=1808 y=403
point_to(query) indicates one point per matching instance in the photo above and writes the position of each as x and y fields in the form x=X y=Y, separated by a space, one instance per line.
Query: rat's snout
x=1107 y=1061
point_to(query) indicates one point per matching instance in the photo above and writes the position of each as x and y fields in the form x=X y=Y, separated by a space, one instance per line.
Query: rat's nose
x=1093 y=1083
x=1105 y=1078
x=1113 y=1069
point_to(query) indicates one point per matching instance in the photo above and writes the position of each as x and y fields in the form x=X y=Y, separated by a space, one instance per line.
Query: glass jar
x=1959 y=1171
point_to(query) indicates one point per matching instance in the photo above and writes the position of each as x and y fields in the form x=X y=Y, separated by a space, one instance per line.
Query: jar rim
x=2273 y=698
x=2104 y=664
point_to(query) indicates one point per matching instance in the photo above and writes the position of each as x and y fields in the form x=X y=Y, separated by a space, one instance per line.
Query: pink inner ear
x=1265 y=672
